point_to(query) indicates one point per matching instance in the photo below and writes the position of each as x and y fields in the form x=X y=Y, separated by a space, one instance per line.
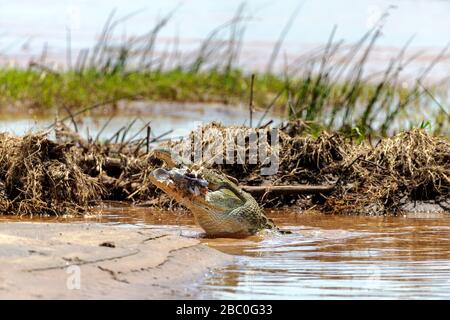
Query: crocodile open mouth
x=219 y=207
x=180 y=181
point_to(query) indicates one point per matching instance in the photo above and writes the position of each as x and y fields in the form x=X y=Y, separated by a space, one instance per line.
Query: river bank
x=44 y=260
x=325 y=257
x=332 y=85
x=69 y=174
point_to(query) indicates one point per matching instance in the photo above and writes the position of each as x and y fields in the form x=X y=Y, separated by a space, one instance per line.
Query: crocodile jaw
x=175 y=187
x=213 y=218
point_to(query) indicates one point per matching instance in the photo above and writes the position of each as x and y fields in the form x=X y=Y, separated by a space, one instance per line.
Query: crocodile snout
x=182 y=180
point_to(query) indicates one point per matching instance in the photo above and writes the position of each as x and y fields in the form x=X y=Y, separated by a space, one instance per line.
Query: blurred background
x=28 y=26
x=378 y=66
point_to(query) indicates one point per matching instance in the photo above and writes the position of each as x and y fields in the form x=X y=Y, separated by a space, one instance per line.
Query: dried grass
x=42 y=177
x=66 y=176
x=409 y=166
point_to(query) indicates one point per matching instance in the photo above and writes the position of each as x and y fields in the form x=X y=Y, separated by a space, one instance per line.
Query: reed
x=329 y=87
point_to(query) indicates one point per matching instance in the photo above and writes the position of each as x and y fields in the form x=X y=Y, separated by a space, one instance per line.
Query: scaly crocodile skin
x=221 y=210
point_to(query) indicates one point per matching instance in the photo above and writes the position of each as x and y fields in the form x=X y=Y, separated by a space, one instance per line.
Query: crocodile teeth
x=196 y=191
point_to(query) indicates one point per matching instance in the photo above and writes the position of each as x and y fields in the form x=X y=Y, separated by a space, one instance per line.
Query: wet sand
x=161 y=254
x=92 y=261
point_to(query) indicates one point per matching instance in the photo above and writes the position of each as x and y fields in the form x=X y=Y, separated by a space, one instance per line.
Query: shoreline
x=43 y=261
x=69 y=174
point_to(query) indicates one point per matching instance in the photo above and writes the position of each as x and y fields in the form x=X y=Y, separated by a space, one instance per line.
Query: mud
x=40 y=261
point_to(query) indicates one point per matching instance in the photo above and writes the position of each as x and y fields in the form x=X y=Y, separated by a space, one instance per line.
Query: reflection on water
x=163 y=117
x=118 y=213
x=326 y=257
x=339 y=257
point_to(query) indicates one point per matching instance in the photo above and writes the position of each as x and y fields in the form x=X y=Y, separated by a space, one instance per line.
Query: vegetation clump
x=69 y=174
x=39 y=176
x=410 y=166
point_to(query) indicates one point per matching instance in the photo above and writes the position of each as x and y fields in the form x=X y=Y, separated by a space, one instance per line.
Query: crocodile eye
x=192 y=175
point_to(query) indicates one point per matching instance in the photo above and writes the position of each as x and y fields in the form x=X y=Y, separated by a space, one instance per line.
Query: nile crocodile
x=219 y=206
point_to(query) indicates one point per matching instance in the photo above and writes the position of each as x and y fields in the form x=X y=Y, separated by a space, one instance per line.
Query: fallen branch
x=300 y=189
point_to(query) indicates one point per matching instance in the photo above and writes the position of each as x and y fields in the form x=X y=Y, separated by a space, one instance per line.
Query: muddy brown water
x=326 y=257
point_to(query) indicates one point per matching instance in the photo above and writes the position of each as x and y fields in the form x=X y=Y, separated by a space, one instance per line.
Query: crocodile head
x=215 y=201
x=181 y=185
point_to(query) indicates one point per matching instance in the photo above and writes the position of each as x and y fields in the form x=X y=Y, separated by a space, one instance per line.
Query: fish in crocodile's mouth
x=184 y=186
x=196 y=191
